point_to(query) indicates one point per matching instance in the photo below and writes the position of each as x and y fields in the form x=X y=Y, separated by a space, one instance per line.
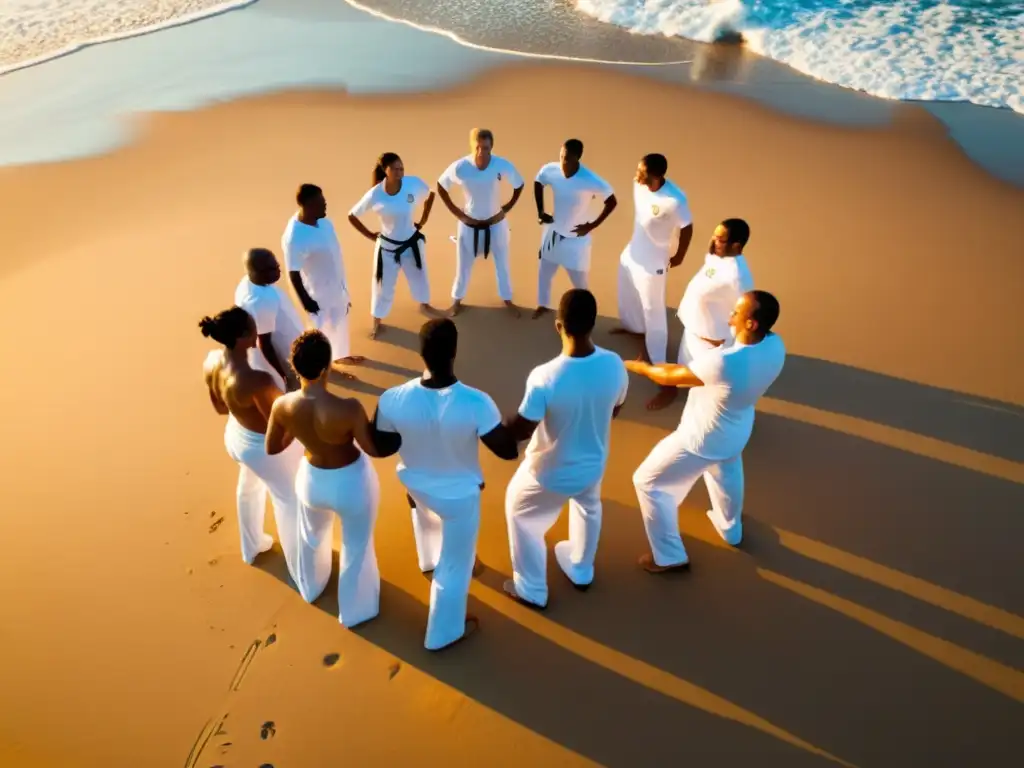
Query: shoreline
x=436 y=59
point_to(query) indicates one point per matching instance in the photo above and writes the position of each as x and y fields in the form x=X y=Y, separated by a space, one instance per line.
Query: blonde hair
x=480 y=133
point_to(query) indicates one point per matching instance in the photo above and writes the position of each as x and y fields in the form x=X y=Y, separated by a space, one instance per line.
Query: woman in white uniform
x=400 y=244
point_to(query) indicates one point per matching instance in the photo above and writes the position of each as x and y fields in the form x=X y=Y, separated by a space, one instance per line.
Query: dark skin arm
x=501 y=442
x=300 y=290
x=278 y=437
x=590 y=226
x=520 y=428
x=685 y=236
x=362 y=431
x=267 y=348
x=361 y=228
x=386 y=443
x=665 y=375
x=426 y=211
x=538 y=196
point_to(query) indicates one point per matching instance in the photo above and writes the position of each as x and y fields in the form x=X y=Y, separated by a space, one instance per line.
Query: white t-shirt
x=440 y=429
x=573 y=195
x=315 y=253
x=481 y=189
x=712 y=294
x=719 y=416
x=572 y=398
x=656 y=217
x=274 y=313
x=397 y=212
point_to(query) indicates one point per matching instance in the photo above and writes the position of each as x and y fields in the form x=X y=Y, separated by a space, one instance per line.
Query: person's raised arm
x=605 y=191
x=427 y=206
x=517 y=189
x=278 y=437
x=359 y=209
x=666 y=374
x=457 y=212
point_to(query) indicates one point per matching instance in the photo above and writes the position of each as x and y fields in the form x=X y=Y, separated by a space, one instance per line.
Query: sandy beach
x=872 y=618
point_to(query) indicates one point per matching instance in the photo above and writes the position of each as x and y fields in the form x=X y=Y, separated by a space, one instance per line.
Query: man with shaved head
x=725 y=383
x=277 y=320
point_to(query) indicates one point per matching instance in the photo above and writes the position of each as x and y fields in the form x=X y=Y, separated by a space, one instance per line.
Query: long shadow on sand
x=814 y=625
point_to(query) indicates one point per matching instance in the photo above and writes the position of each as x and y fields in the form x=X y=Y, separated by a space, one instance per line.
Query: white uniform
x=351 y=493
x=643 y=266
x=315 y=253
x=573 y=399
x=275 y=314
x=559 y=246
x=401 y=247
x=716 y=425
x=258 y=474
x=482 y=189
x=708 y=302
x=439 y=465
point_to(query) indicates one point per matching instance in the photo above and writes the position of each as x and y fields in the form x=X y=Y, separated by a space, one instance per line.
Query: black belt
x=401 y=246
x=485 y=230
x=555 y=238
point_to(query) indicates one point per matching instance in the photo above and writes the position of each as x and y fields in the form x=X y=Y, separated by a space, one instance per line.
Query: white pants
x=546 y=274
x=665 y=478
x=258 y=473
x=382 y=294
x=333 y=323
x=531 y=510
x=446 y=532
x=466 y=241
x=353 y=494
x=691 y=346
x=642 y=309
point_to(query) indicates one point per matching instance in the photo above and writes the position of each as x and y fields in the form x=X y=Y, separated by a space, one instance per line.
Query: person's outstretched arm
x=666 y=374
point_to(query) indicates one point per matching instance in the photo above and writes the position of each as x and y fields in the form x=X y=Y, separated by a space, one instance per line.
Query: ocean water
x=930 y=50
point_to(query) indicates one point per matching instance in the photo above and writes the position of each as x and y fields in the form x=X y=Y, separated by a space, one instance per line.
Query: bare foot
x=665 y=397
x=620 y=331
x=647 y=563
x=456 y=308
x=513 y=310
x=377 y=330
x=539 y=312
x=352 y=360
x=431 y=311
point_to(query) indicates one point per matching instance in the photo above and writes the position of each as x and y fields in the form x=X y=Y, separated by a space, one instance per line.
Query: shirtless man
x=246 y=396
x=335 y=477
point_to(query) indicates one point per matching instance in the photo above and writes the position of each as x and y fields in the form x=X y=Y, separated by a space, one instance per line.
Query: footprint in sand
x=331 y=659
x=393 y=670
x=271 y=639
x=216 y=524
x=267 y=731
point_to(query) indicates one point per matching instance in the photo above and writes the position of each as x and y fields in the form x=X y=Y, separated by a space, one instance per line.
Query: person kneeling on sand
x=335 y=478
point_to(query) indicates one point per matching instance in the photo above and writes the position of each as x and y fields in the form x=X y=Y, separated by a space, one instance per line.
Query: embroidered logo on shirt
x=709 y=272
x=655 y=210
x=499 y=175
x=409 y=198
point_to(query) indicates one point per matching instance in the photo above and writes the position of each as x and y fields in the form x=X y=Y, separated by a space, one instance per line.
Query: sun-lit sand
x=873 y=614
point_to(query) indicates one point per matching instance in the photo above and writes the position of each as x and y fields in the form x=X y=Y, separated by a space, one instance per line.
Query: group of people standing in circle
x=311 y=450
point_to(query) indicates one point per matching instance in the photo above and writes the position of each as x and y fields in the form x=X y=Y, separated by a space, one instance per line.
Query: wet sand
x=873 y=613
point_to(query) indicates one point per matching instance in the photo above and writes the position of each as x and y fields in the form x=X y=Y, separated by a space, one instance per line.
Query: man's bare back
x=237 y=388
x=328 y=427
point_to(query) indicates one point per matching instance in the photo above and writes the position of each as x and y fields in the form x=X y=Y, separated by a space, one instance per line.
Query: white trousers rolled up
x=466 y=242
x=642 y=309
x=666 y=477
x=382 y=294
x=259 y=473
x=545 y=276
x=332 y=321
x=351 y=493
x=446 y=533
x=530 y=511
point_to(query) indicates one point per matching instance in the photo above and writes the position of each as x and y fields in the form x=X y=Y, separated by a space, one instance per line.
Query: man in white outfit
x=312 y=255
x=711 y=295
x=441 y=422
x=566 y=413
x=565 y=234
x=660 y=211
x=277 y=322
x=483 y=229
x=726 y=382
